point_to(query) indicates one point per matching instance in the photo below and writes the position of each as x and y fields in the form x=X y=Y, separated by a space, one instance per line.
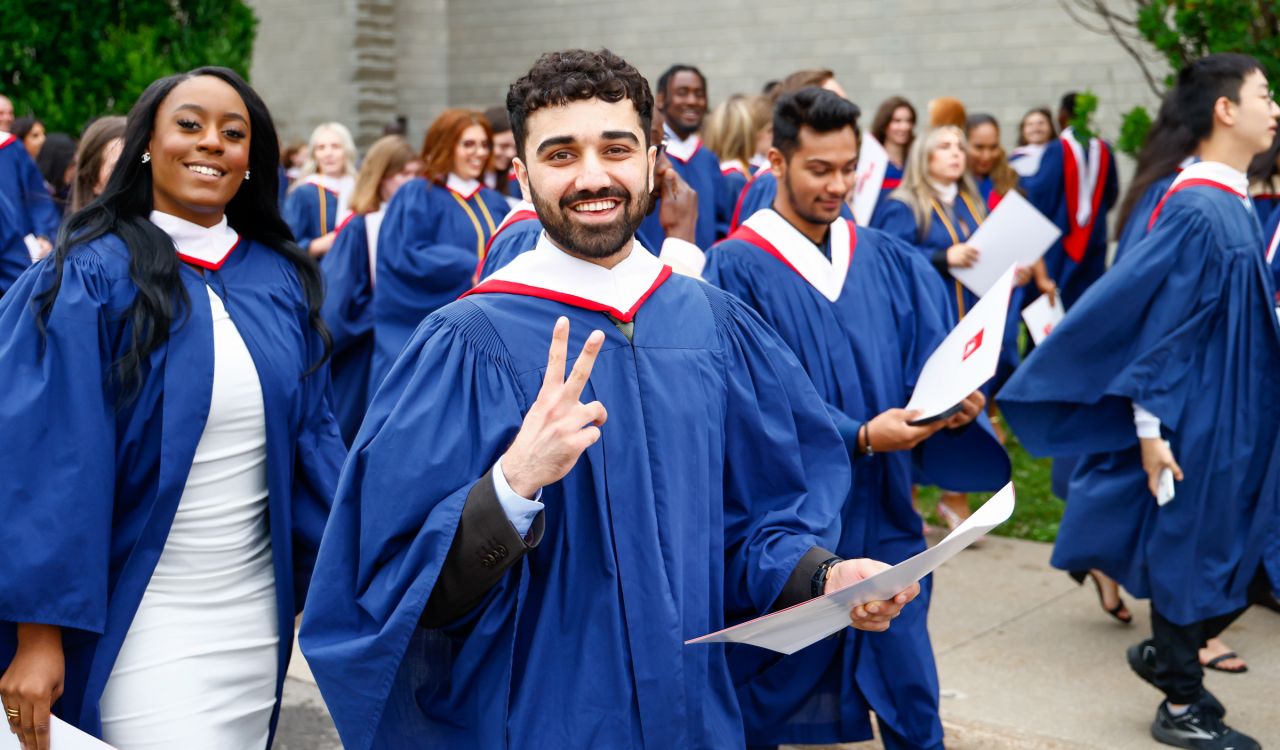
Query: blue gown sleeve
x=348 y=299
x=787 y=471
x=732 y=185
x=319 y=456
x=1132 y=338
x=1045 y=189
x=300 y=213
x=57 y=449
x=442 y=417
x=14 y=258
x=38 y=202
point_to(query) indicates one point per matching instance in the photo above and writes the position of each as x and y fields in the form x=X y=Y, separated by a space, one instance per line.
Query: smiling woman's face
x=199 y=150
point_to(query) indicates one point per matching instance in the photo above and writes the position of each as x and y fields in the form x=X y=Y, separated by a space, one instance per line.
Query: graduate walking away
x=167 y=445
x=1172 y=407
x=522 y=542
x=862 y=311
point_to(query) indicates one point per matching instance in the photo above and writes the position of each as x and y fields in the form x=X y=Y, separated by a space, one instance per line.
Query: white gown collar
x=681 y=149
x=550 y=273
x=1215 y=171
x=332 y=184
x=464 y=188
x=207 y=247
x=798 y=252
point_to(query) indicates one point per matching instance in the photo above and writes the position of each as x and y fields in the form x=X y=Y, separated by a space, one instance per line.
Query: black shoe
x=1142 y=660
x=1198 y=729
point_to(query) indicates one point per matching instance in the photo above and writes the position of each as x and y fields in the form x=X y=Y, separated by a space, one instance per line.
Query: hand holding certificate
x=966 y=358
x=62 y=736
x=794 y=628
x=1014 y=234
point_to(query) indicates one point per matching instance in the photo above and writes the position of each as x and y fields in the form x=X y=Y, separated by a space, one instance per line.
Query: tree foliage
x=69 y=61
x=1164 y=35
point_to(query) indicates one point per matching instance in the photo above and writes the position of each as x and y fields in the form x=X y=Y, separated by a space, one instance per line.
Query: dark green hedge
x=69 y=61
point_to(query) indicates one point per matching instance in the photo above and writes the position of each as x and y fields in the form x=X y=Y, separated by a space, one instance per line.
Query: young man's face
x=588 y=172
x=818 y=176
x=684 y=103
x=1255 y=115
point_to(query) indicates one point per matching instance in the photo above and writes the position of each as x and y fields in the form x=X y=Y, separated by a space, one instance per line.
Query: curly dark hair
x=558 y=78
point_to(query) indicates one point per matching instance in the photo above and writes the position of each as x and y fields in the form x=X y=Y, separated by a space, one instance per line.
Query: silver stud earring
x=146 y=157
x=246 y=175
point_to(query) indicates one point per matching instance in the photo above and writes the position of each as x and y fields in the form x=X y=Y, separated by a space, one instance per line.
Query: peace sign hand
x=558 y=427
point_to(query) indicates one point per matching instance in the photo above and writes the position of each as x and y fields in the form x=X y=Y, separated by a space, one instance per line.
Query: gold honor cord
x=955 y=240
x=324 y=211
x=475 y=222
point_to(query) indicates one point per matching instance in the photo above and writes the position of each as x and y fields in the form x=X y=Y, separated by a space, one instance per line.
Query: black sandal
x=1079 y=577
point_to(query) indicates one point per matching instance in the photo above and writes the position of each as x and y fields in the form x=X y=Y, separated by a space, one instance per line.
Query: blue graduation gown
x=21 y=181
x=717 y=471
x=734 y=182
x=428 y=250
x=863 y=352
x=14 y=258
x=348 y=312
x=1264 y=205
x=759 y=193
x=1186 y=327
x=892 y=179
x=101 y=483
x=1047 y=192
x=311 y=211
x=895 y=218
x=1136 y=227
x=1268 y=237
x=702 y=172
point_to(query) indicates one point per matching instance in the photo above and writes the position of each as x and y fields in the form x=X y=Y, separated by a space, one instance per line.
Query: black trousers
x=1178 y=670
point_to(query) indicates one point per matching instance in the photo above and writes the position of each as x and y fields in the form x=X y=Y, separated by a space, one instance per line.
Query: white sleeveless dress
x=198 y=665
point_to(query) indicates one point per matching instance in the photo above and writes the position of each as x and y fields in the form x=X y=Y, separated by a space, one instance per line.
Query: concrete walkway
x=1027 y=660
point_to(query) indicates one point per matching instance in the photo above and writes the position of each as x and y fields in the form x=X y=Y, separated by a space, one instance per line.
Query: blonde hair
x=348 y=148
x=732 y=127
x=388 y=155
x=915 y=190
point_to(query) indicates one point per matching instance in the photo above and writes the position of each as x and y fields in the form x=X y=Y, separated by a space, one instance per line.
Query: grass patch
x=1037 y=513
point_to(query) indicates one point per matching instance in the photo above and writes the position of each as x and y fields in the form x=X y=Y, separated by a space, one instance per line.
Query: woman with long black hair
x=166 y=441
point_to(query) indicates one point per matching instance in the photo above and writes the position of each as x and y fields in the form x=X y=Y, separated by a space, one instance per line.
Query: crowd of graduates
x=338 y=392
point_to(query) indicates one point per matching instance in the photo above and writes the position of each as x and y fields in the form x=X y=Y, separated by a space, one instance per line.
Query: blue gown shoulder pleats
x=21 y=181
x=429 y=247
x=348 y=312
x=1136 y=227
x=311 y=211
x=718 y=469
x=103 y=501
x=1185 y=327
x=863 y=353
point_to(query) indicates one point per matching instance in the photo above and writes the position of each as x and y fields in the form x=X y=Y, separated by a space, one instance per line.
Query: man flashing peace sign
x=546 y=604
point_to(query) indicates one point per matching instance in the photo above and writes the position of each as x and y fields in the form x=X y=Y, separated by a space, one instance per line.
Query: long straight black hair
x=124 y=208
x=1185 y=119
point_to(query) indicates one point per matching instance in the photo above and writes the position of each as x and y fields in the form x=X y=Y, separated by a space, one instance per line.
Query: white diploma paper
x=966 y=358
x=34 y=251
x=62 y=736
x=1014 y=234
x=794 y=628
x=1041 y=317
x=873 y=160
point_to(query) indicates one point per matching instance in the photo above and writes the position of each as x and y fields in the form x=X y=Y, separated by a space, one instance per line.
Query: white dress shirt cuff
x=1147 y=423
x=683 y=257
x=520 y=511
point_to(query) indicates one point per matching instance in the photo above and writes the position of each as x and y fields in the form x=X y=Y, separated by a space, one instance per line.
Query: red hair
x=442 y=140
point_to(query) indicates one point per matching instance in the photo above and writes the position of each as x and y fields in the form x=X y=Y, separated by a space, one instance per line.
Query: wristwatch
x=819 y=581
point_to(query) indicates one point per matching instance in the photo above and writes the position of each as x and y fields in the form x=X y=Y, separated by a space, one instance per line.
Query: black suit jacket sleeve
x=484 y=547
x=799 y=586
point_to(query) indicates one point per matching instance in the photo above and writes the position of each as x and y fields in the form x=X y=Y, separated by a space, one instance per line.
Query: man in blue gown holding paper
x=1171 y=402
x=517 y=556
x=863 y=312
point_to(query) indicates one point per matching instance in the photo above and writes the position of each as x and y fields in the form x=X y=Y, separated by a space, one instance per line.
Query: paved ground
x=1027 y=661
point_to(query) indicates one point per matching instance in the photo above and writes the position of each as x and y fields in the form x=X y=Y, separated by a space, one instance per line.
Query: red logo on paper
x=1047 y=329
x=974 y=345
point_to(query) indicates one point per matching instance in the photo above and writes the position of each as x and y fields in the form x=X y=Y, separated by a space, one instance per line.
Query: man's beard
x=806 y=212
x=597 y=241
